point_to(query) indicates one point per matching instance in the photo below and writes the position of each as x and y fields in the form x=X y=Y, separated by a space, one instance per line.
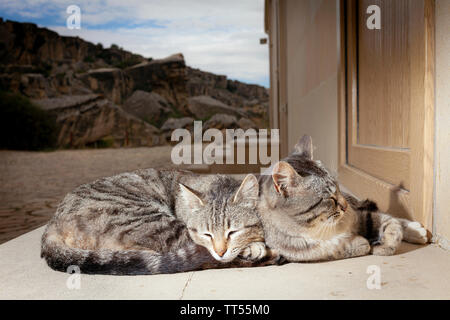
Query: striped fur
x=307 y=218
x=146 y=222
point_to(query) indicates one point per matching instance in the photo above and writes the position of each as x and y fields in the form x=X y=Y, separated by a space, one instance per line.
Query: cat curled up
x=307 y=218
x=157 y=221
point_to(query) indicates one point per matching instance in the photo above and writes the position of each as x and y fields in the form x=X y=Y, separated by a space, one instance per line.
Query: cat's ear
x=284 y=176
x=304 y=147
x=248 y=190
x=190 y=198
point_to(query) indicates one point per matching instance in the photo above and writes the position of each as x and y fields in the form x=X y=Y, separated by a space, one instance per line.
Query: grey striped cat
x=157 y=221
x=307 y=218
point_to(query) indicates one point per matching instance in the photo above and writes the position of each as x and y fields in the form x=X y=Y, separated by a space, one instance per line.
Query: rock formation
x=109 y=93
x=89 y=119
x=221 y=121
x=204 y=107
x=148 y=106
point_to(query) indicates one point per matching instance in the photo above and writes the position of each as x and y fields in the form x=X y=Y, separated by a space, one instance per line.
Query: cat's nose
x=221 y=252
x=220 y=249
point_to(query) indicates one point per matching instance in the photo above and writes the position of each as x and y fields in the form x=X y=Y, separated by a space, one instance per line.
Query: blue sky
x=214 y=35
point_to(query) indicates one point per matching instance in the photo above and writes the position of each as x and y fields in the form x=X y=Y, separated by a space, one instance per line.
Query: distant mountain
x=65 y=75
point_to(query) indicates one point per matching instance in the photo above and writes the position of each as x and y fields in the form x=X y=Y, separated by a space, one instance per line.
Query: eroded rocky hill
x=109 y=94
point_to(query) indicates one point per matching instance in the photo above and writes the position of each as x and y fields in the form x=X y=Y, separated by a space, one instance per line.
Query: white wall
x=312 y=76
x=441 y=217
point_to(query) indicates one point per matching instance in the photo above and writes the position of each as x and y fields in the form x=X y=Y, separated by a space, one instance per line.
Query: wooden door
x=387 y=107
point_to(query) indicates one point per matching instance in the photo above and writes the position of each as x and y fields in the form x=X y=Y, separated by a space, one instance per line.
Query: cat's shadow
x=398 y=206
x=395 y=203
x=406 y=247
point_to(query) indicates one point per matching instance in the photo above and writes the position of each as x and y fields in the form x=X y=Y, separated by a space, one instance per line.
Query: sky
x=219 y=36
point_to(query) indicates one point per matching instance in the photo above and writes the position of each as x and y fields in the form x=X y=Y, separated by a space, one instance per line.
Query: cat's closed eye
x=230 y=233
x=207 y=234
x=335 y=202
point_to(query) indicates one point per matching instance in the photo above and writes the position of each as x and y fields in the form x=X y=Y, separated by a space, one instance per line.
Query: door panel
x=384 y=58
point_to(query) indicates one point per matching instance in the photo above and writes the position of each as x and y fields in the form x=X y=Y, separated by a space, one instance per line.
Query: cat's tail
x=61 y=257
x=375 y=222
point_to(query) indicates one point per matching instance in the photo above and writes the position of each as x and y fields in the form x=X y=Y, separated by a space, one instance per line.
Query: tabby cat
x=156 y=221
x=307 y=218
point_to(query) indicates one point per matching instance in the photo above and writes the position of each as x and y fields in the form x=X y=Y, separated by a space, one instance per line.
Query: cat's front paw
x=255 y=251
x=382 y=250
x=359 y=247
x=415 y=233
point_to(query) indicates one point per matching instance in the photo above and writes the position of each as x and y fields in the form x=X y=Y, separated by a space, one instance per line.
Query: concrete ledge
x=416 y=272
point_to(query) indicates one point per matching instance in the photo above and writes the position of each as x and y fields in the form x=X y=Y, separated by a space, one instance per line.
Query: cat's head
x=305 y=190
x=224 y=220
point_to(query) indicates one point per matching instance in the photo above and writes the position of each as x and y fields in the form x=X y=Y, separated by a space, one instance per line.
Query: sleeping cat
x=307 y=218
x=150 y=221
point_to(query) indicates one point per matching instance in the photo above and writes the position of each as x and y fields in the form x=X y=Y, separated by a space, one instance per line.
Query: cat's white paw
x=415 y=233
x=254 y=251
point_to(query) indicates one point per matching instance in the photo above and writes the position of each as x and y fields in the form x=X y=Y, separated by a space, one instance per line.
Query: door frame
x=279 y=7
x=416 y=204
x=276 y=28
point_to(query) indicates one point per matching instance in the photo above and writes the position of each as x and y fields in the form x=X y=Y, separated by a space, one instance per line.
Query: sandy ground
x=33 y=183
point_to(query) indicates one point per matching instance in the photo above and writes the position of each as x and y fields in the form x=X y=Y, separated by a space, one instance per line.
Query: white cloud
x=216 y=36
